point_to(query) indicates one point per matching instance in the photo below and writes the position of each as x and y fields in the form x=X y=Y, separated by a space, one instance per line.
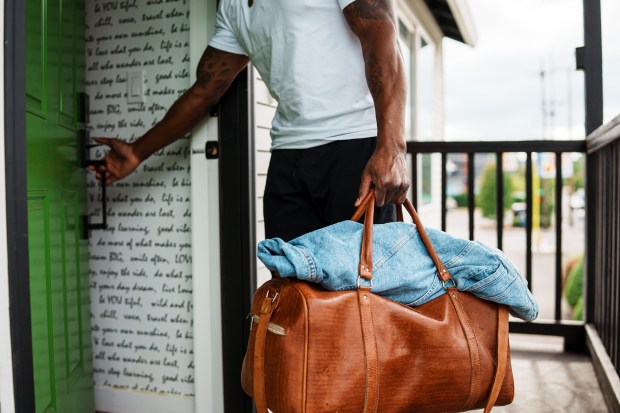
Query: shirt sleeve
x=344 y=3
x=224 y=38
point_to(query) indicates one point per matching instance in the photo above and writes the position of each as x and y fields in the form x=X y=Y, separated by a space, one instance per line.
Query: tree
x=486 y=197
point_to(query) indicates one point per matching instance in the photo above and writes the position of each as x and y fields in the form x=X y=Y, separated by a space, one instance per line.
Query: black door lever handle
x=87 y=226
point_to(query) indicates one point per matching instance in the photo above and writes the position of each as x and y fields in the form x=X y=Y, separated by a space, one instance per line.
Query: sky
x=495 y=90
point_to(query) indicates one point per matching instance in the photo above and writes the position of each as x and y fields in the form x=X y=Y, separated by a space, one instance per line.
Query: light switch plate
x=135 y=86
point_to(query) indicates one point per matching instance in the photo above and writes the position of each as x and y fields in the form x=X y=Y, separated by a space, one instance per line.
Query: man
x=335 y=69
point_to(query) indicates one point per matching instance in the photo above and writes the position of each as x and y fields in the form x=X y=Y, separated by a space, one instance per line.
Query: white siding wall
x=264 y=109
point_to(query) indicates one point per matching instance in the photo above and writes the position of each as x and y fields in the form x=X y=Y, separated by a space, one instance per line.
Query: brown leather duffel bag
x=312 y=350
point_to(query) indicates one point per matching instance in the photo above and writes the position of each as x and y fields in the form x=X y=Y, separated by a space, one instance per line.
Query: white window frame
x=418 y=19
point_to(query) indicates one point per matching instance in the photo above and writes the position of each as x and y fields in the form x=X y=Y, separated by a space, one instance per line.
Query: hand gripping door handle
x=87 y=226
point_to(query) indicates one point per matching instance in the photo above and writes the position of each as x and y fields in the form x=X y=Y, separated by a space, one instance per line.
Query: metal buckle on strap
x=359 y=282
x=445 y=283
x=275 y=296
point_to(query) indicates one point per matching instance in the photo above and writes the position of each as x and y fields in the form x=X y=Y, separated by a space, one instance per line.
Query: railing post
x=471 y=193
x=590 y=60
x=590 y=251
x=529 y=189
x=558 y=236
x=592 y=63
x=499 y=197
x=444 y=190
x=414 y=179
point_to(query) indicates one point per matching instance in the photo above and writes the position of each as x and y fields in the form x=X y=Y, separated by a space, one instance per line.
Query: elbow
x=201 y=100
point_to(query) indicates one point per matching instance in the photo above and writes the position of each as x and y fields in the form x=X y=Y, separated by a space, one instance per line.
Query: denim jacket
x=402 y=269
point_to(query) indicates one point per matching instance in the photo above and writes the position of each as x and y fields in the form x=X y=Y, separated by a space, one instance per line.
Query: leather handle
x=367 y=207
x=363 y=205
x=442 y=271
x=502 y=357
x=365 y=265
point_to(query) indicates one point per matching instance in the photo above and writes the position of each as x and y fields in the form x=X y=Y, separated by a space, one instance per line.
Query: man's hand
x=388 y=172
x=374 y=23
x=120 y=161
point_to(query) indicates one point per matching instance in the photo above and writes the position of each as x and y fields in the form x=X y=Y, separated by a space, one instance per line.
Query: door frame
x=206 y=270
x=237 y=232
x=223 y=221
x=16 y=203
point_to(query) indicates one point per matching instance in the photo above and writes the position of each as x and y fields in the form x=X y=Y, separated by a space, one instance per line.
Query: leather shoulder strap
x=371 y=398
x=258 y=392
x=475 y=381
x=502 y=357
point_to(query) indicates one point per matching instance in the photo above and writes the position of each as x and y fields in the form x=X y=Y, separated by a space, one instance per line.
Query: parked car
x=519 y=213
x=578 y=199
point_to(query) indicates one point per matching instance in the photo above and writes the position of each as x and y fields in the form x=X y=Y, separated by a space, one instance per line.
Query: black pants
x=308 y=189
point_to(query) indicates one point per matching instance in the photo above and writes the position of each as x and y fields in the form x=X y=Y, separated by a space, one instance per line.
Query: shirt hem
x=302 y=143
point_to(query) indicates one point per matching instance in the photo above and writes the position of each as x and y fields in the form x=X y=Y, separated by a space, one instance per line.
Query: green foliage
x=574 y=283
x=461 y=199
x=519 y=197
x=578 y=310
x=518 y=185
x=573 y=288
x=547 y=205
x=578 y=173
x=486 y=198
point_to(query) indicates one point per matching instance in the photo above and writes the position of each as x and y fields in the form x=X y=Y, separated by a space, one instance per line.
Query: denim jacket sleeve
x=485 y=272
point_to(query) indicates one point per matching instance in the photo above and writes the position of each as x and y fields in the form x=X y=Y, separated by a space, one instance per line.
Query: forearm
x=216 y=71
x=387 y=83
x=373 y=21
x=181 y=118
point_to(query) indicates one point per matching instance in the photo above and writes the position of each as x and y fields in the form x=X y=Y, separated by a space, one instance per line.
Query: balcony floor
x=547 y=380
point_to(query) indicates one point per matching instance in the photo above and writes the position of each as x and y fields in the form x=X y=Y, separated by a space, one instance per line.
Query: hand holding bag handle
x=365 y=271
x=366 y=252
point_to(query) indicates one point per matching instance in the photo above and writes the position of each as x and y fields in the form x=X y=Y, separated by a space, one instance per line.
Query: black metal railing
x=603 y=238
x=573 y=332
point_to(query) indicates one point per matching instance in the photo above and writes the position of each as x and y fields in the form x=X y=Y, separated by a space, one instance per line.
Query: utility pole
x=569 y=102
x=543 y=98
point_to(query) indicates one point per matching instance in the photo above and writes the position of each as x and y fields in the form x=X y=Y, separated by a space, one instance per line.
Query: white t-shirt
x=311 y=62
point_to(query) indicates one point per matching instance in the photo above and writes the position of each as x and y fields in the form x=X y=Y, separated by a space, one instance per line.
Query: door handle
x=87 y=226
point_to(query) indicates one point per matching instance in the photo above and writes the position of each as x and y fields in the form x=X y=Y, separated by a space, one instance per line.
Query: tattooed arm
x=216 y=71
x=374 y=23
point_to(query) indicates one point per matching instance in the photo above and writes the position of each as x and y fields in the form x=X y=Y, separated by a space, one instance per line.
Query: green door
x=59 y=286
